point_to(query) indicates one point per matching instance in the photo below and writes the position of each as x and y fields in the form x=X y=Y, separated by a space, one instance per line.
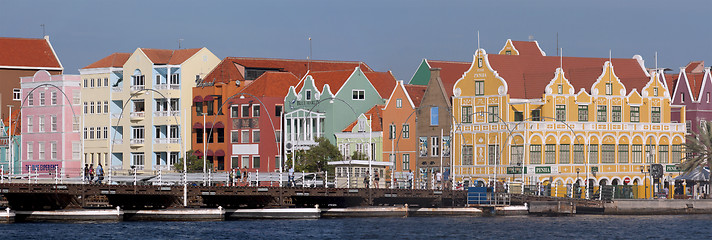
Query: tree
x=359 y=156
x=195 y=164
x=316 y=159
x=700 y=145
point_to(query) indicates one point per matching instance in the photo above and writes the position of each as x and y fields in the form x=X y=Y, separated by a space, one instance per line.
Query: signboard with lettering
x=539 y=170
x=515 y=170
x=594 y=169
x=672 y=168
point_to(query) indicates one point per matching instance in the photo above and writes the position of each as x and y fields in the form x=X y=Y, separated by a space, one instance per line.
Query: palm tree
x=700 y=145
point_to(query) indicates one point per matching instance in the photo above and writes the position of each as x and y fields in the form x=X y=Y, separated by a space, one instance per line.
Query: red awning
x=197 y=153
x=208 y=125
x=210 y=153
x=208 y=98
x=197 y=125
x=220 y=153
x=219 y=125
x=197 y=99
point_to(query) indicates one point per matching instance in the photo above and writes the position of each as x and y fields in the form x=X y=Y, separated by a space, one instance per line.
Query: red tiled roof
x=299 y=67
x=384 y=82
x=416 y=93
x=226 y=71
x=114 y=60
x=695 y=67
x=695 y=80
x=167 y=56
x=450 y=72
x=527 y=48
x=671 y=81
x=527 y=76
x=335 y=79
x=272 y=84
x=376 y=116
x=27 y=52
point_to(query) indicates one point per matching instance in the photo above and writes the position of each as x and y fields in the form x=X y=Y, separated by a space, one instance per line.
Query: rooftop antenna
x=310 y=55
x=561 y=59
x=656 y=60
x=478 y=42
x=43 y=30
x=179 y=40
x=610 y=64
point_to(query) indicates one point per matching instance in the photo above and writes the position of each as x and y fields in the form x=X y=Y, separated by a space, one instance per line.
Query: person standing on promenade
x=365 y=179
x=86 y=172
x=238 y=175
x=439 y=179
x=375 y=179
x=99 y=174
x=91 y=173
x=290 y=178
x=409 y=177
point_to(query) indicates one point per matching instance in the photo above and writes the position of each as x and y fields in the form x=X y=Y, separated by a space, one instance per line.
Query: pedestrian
x=86 y=172
x=91 y=172
x=439 y=178
x=375 y=179
x=365 y=179
x=238 y=175
x=290 y=177
x=99 y=174
x=409 y=177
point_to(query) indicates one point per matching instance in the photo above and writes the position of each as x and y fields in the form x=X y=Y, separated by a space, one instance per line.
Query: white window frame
x=30 y=151
x=434 y=146
x=29 y=124
x=17 y=94
x=358 y=94
x=40 y=124
x=40 y=151
x=53 y=150
x=53 y=123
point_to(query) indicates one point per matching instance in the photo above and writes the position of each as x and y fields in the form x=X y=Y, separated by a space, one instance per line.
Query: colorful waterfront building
x=251 y=119
x=365 y=137
x=23 y=57
x=151 y=102
x=399 y=144
x=51 y=134
x=692 y=88
x=9 y=163
x=324 y=103
x=99 y=81
x=562 y=120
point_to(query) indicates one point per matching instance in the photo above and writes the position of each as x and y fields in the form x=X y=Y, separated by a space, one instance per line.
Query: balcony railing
x=138 y=141
x=166 y=140
x=138 y=114
x=167 y=86
x=166 y=113
x=138 y=87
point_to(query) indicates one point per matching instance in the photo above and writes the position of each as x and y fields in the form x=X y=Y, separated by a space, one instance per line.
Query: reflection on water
x=525 y=227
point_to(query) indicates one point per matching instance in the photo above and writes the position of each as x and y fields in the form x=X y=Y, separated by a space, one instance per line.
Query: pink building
x=51 y=115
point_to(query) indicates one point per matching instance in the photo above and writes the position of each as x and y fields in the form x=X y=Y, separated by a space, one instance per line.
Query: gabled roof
x=231 y=68
x=416 y=93
x=384 y=82
x=450 y=72
x=335 y=79
x=528 y=48
x=695 y=72
x=376 y=116
x=272 y=84
x=33 y=53
x=116 y=60
x=169 y=57
x=528 y=75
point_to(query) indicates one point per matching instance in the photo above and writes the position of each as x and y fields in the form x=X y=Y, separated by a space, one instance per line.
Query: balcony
x=138 y=115
x=137 y=142
x=166 y=114
x=166 y=140
x=167 y=87
x=136 y=88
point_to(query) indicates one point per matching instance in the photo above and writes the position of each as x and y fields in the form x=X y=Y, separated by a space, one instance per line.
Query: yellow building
x=562 y=119
x=155 y=93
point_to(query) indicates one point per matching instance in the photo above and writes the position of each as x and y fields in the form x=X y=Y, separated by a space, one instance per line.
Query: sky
x=387 y=35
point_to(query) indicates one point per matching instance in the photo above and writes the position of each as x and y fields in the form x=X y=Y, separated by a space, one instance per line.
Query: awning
x=208 y=125
x=197 y=99
x=219 y=125
x=197 y=125
x=220 y=153
x=197 y=153
x=697 y=174
x=210 y=153
x=208 y=98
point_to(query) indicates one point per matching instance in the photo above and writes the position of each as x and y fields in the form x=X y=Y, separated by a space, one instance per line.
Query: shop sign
x=540 y=170
x=672 y=168
x=515 y=170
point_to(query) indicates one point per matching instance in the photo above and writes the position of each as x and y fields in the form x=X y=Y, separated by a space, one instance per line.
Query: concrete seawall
x=658 y=207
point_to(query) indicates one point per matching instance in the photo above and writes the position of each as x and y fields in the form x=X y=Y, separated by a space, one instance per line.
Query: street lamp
x=205 y=145
x=9 y=141
x=578 y=170
x=642 y=168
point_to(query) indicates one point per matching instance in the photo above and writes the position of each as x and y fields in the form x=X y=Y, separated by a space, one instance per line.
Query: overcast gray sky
x=387 y=35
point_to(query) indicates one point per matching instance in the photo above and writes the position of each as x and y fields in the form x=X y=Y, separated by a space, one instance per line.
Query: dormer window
x=308 y=95
x=561 y=89
x=479 y=62
x=655 y=92
x=609 y=89
x=508 y=52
